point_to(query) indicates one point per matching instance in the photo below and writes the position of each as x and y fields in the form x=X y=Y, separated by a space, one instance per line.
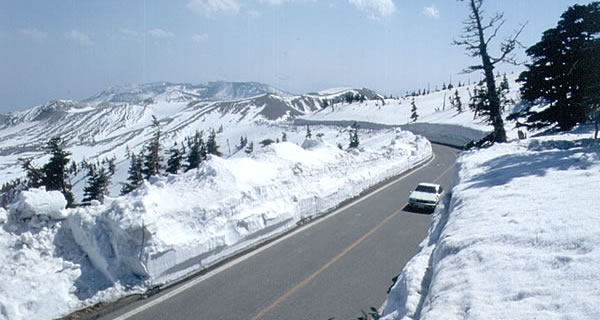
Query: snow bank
x=179 y=224
x=519 y=240
x=38 y=202
x=43 y=273
x=55 y=260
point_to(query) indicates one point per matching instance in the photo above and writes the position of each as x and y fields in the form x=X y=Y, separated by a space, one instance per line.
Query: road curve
x=334 y=268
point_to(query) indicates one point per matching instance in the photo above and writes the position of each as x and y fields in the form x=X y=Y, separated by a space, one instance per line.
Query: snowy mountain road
x=334 y=268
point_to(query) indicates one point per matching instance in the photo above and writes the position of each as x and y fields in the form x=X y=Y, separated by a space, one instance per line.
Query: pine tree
x=563 y=69
x=135 y=177
x=97 y=185
x=266 y=142
x=349 y=96
x=503 y=91
x=354 y=142
x=34 y=174
x=242 y=143
x=89 y=192
x=249 y=148
x=175 y=159
x=195 y=156
x=414 y=116
x=153 y=159
x=211 y=144
x=480 y=104
x=112 y=167
x=456 y=102
x=55 y=171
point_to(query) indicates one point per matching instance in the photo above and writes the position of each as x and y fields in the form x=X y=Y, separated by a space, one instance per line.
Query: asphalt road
x=333 y=268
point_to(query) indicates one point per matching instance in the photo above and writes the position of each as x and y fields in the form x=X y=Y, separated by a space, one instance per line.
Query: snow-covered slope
x=119 y=119
x=103 y=129
x=518 y=239
x=56 y=260
x=432 y=109
x=181 y=92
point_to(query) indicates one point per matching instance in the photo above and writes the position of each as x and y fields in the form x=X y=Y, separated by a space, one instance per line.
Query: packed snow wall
x=175 y=225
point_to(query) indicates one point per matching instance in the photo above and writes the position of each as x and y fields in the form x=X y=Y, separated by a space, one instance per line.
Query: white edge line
x=232 y=263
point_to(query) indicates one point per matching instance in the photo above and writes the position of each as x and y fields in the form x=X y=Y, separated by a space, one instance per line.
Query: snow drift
x=178 y=224
x=518 y=238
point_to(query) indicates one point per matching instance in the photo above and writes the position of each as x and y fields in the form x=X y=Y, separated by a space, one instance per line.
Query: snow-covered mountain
x=119 y=119
x=178 y=92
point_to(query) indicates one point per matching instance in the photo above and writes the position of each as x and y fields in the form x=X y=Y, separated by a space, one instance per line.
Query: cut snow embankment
x=54 y=260
x=519 y=238
x=180 y=224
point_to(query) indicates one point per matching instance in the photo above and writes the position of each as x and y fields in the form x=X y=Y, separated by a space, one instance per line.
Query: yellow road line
x=325 y=267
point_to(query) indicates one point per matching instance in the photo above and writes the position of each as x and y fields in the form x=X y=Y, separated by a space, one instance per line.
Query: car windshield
x=427 y=189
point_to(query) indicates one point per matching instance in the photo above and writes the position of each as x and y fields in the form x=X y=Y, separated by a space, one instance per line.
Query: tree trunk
x=488 y=68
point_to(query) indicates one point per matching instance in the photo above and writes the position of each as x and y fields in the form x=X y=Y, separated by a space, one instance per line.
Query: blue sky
x=71 y=49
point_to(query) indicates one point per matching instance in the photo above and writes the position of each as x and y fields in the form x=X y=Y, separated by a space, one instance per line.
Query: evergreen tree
x=243 y=143
x=112 y=167
x=456 y=102
x=266 y=142
x=175 y=159
x=480 y=104
x=135 y=177
x=349 y=96
x=249 y=148
x=503 y=91
x=34 y=174
x=354 y=142
x=89 y=192
x=55 y=171
x=97 y=185
x=563 y=69
x=591 y=90
x=414 y=116
x=195 y=155
x=211 y=144
x=153 y=159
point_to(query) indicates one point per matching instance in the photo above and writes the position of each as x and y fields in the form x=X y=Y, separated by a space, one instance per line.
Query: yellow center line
x=332 y=261
x=325 y=267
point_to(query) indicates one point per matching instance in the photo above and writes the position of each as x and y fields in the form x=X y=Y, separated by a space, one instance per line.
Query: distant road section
x=446 y=134
x=336 y=267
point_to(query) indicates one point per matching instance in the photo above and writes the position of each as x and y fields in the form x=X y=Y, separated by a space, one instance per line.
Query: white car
x=425 y=196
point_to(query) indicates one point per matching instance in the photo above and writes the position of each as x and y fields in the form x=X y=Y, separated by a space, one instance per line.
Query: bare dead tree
x=476 y=38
